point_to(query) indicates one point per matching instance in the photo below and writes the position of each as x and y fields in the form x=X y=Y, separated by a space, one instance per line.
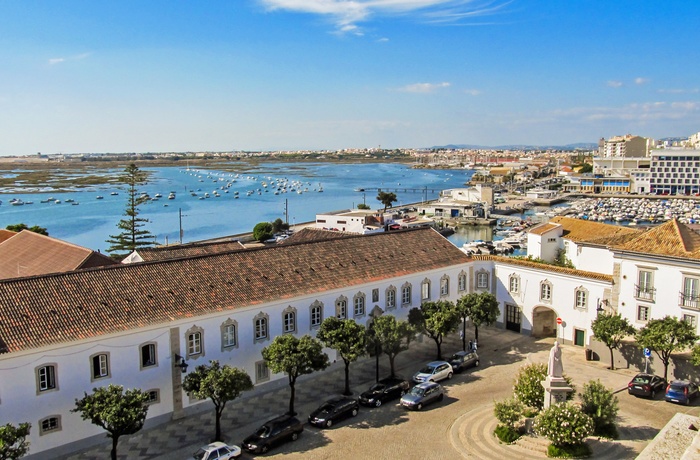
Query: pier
x=399 y=189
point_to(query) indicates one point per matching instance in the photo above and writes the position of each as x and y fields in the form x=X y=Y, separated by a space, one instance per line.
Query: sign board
x=647 y=352
x=559 y=321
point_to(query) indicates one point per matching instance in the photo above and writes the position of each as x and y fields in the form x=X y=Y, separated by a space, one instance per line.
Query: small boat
x=99 y=197
x=70 y=200
x=75 y=203
x=114 y=193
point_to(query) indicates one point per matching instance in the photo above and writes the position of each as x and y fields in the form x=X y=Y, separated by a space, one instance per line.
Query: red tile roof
x=47 y=310
x=5 y=234
x=187 y=250
x=546 y=267
x=583 y=231
x=669 y=239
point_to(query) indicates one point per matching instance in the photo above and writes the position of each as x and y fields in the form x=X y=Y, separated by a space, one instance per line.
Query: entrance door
x=512 y=318
x=579 y=337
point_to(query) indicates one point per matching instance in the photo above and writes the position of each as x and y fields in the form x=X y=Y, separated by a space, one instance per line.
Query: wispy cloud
x=60 y=60
x=346 y=14
x=679 y=91
x=472 y=92
x=614 y=83
x=645 y=111
x=423 y=87
x=641 y=81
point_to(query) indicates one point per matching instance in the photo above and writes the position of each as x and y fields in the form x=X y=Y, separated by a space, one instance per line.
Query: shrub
x=528 y=387
x=508 y=411
x=575 y=451
x=563 y=424
x=506 y=434
x=601 y=405
x=262 y=231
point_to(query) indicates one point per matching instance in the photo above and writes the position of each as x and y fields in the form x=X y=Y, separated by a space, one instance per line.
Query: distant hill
x=579 y=145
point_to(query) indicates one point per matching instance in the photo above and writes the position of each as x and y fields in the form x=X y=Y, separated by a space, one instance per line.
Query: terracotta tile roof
x=315 y=234
x=187 y=250
x=28 y=254
x=583 y=231
x=47 y=310
x=6 y=234
x=546 y=267
x=543 y=228
x=671 y=239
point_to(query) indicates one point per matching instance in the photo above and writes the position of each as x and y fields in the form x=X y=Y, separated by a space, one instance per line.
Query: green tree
x=436 y=320
x=132 y=234
x=295 y=357
x=13 y=441
x=695 y=355
x=119 y=412
x=347 y=338
x=666 y=336
x=564 y=425
x=601 y=405
x=528 y=387
x=262 y=231
x=219 y=383
x=585 y=168
x=363 y=206
x=394 y=336
x=611 y=329
x=278 y=225
x=481 y=308
x=34 y=228
x=508 y=412
x=386 y=198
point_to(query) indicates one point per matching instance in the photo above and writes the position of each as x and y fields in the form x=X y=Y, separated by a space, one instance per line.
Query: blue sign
x=647 y=352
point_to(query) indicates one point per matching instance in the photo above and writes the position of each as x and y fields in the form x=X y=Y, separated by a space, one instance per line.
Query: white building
x=624 y=146
x=675 y=171
x=353 y=221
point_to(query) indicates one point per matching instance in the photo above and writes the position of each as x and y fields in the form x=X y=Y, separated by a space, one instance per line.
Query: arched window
x=341 y=307
x=581 y=298
x=406 y=295
x=316 y=314
x=359 y=305
x=289 y=320
x=546 y=291
x=390 y=297
x=261 y=327
x=149 y=357
x=229 y=335
x=444 y=286
x=482 y=279
x=462 y=281
x=514 y=284
x=425 y=290
x=195 y=342
x=99 y=365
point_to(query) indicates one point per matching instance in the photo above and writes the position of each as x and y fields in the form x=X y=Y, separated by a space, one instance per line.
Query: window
x=229 y=334
x=262 y=372
x=46 y=378
x=289 y=320
x=642 y=313
x=513 y=283
x=316 y=314
x=359 y=305
x=391 y=298
x=482 y=280
x=691 y=319
x=195 y=344
x=444 y=286
x=581 y=298
x=406 y=295
x=153 y=396
x=148 y=355
x=261 y=327
x=425 y=290
x=645 y=285
x=100 y=366
x=375 y=295
x=546 y=291
x=341 y=308
x=689 y=296
x=49 y=424
x=462 y=282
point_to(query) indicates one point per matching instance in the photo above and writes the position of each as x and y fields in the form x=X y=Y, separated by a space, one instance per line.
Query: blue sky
x=140 y=76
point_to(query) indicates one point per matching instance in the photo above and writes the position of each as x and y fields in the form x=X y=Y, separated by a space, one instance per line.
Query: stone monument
x=555 y=386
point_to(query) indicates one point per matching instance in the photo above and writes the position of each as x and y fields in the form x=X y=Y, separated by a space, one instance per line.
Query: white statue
x=555 y=368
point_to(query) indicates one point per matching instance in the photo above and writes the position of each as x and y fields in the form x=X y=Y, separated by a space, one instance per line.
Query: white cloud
x=77 y=57
x=614 y=83
x=472 y=92
x=345 y=14
x=679 y=91
x=641 y=81
x=383 y=40
x=423 y=87
x=637 y=112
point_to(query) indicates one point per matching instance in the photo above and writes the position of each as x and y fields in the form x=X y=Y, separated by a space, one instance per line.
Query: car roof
x=426 y=385
x=681 y=382
x=437 y=363
x=214 y=445
x=281 y=418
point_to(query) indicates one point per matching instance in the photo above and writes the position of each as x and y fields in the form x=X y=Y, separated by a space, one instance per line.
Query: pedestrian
x=461 y=335
x=471 y=346
x=474 y=344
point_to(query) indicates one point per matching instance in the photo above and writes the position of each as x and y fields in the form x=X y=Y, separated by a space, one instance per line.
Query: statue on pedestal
x=555 y=368
x=555 y=385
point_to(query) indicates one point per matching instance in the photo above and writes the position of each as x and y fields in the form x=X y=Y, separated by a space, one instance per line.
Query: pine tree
x=133 y=236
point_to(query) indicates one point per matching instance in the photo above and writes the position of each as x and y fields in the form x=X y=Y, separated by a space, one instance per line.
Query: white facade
x=351 y=221
x=675 y=171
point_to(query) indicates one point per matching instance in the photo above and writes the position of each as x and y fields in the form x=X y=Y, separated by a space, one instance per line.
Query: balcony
x=645 y=293
x=689 y=300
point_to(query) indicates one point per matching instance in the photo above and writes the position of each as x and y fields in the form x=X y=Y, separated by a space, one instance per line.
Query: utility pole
x=179 y=210
x=286 y=211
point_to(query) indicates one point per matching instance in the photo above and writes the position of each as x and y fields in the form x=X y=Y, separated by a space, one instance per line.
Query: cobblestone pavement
x=459 y=427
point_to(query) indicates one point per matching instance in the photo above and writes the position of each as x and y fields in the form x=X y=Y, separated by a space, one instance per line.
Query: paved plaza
x=461 y=426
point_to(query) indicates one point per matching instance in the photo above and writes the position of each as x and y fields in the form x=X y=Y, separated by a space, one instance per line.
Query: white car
x=434 y=372
x=217 y=451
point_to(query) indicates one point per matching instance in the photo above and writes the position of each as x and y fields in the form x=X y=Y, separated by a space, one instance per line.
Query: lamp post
x=374 y=343
x=181 y=364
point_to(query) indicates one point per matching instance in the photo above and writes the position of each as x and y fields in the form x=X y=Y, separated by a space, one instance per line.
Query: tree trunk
x=391 y=365
x=612 y=360
x=438 y=342
x=292 y=382
x=217 y=437
x=115 y=440
x=464 y=334
x=347 y=391
x=476 y=333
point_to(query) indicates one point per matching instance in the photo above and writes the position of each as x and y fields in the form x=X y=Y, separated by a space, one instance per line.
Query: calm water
x=91 y=222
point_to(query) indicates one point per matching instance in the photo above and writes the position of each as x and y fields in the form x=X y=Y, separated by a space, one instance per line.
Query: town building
x=675 y=171
x=623 y=146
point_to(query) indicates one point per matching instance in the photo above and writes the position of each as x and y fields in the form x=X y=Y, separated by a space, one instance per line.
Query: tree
x=564 y=425
x=601 y=405
x=133 y=234
x=695 y=355
x=262 y=231
x=481 y=308
x=665 y=336
x=278 y=225
x=13 y=441
x=295 y=357
x=219 y=383
x=35 y=228
x=347 y=338
x=393 y=336
x=386 y=198
x=528 y=388
x=611 y=329
x=363 y=206
x=119 y=412
x=436 y=320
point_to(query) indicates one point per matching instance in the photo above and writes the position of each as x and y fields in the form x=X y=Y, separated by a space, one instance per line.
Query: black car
x=646 y=385
x=273 y=432
x=333 y=410
x=464 y=360
x=384 y=390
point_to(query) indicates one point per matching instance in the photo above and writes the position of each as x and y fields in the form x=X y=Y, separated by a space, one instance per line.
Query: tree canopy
x=394 y=336
x=294 y=357
x=132 y=234
x=35 y=228
x=665 y=336
x=436 y=320
x=611 y=329
x=13 y=441
x=262 y=231
x=481 y=308
x=119 y=412
x=347 y=338
x=386 y=198
x=219 y=383
x=278 y=225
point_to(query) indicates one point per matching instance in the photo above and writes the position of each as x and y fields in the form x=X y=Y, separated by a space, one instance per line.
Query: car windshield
x=417 y=391
x=326 y=408
x=641 y=379
x=677 y=387
x=456 y=357
x=263 y=431
x=377 y=387
x=199 y=455
x=427 y=370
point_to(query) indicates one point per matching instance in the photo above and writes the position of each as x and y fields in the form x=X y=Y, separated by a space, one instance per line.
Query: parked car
x=681 y=391
x=434 y=372
x=422 y=394
x=217 y=451
x=333 y=410
x=464 y=360
x=383 y=391
x=646 y=385
x=273 y=432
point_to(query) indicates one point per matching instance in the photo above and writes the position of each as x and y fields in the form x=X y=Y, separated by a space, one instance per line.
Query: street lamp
x=182 y=364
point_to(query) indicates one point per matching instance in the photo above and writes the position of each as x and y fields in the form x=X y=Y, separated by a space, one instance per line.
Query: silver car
x=422 y=394
x=434 y=371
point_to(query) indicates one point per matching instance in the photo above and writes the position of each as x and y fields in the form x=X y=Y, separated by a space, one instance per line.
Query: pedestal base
x=555 y=391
